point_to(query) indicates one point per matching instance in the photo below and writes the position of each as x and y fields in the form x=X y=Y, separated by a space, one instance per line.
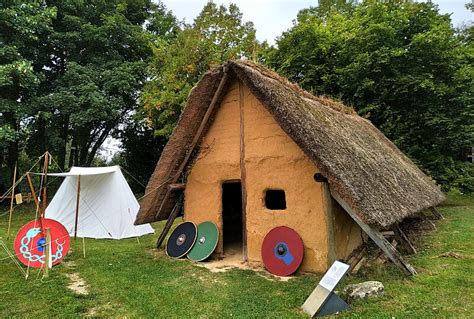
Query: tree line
x=74 y=73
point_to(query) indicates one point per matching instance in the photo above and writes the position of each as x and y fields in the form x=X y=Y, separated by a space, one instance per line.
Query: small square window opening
x=275 y=199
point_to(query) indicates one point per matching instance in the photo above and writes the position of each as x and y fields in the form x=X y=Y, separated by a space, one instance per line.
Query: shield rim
x=302 y=256
x=32 y=264
x=215 y=245
x=192 y=245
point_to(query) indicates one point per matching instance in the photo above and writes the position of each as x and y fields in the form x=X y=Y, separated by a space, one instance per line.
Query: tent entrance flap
x=232 y=216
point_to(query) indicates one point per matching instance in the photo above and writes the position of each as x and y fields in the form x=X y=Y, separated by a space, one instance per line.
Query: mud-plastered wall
x=347 y=234
x=274 y=161
x=218 y=161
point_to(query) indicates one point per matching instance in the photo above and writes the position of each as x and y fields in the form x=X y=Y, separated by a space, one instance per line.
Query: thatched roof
x=362 y=166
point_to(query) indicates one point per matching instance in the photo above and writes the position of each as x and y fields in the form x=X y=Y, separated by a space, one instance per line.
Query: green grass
x=127 y=279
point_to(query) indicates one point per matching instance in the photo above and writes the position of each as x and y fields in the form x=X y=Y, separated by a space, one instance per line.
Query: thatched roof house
x=364 y=169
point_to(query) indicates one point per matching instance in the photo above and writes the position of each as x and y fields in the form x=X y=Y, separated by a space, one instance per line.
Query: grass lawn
x=127 y=279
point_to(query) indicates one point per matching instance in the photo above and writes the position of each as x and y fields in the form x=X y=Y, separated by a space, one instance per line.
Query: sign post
x=323 y=301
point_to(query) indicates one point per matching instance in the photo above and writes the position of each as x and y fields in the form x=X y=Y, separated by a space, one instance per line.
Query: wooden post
x=84 y=246
x=329 y=214
x=77 y=205
x=47 y=253
x=425 y=218
x=169 y=223
x=177 y=187
x=36 y=202
x=378 y=238
x=401 y=234
x=436 y=213
x=45 y=181
x=243 y=173
x=11 y=202
x=32 y=189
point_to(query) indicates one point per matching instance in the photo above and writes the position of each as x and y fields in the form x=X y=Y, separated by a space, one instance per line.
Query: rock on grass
x=363 y=290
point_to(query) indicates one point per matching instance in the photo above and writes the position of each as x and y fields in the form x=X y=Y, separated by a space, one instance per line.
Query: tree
x=140 y=148
x=141 y=152
x=94 y=66
x=22 y=25
x=401 y=64
x=217 y=35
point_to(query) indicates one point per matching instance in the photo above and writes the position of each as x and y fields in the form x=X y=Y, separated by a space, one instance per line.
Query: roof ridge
x=321 y=99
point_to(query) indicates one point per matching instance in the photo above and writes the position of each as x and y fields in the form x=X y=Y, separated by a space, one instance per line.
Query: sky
x=272 y=17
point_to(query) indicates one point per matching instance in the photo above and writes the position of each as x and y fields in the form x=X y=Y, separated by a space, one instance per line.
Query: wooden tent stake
x=11 y=202
x=77 y=205
x=196 y=139
x=378 y=238
x=169 y=223
x=84 y=246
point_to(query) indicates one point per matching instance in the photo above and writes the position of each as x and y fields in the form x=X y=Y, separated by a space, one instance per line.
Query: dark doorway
x=232 y=215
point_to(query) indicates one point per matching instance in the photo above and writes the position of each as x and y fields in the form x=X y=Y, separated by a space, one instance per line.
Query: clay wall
x=272 y=161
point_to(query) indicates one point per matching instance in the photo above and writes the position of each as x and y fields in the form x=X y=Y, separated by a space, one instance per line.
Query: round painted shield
x=181 y=240
x=282 y=251
x=206 y=242
x=30 y=243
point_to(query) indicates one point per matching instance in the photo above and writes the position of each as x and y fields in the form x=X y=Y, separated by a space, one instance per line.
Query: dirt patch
x=77 y=284
x=100 y=311
x=70 y=264
x=234 y=260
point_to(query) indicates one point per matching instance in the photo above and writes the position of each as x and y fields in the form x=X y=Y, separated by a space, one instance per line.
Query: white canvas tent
x=107 y=207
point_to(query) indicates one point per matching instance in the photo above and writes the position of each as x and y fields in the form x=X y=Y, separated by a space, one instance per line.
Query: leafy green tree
x=217 y=35
x=141 y=151
x=401 y=64
x=22 y=25
x=94 y=66
x=140 y=148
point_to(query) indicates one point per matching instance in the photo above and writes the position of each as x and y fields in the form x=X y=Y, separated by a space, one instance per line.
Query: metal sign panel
x=322 y=301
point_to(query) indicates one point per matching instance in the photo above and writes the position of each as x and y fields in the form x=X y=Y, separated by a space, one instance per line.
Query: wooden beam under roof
x=377 y=237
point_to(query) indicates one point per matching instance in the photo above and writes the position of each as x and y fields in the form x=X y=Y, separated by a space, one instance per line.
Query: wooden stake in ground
x=11 y=202
x=84 y=246
x=77 y=205
x=47 y=255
